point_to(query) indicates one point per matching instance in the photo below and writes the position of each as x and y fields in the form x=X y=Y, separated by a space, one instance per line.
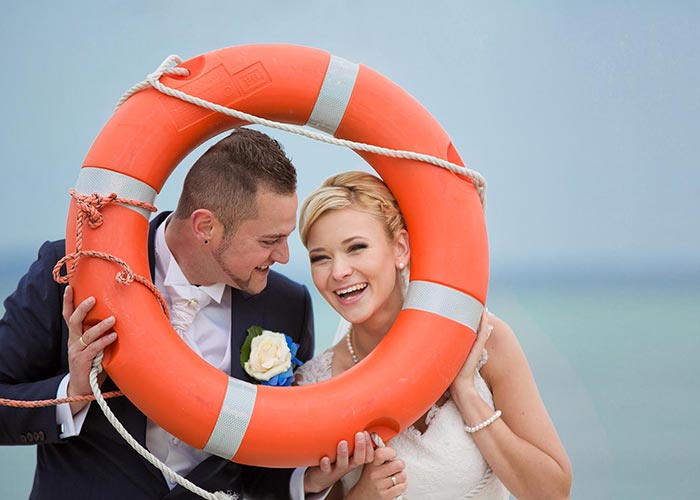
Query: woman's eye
x=357 y=246
x=317 y=258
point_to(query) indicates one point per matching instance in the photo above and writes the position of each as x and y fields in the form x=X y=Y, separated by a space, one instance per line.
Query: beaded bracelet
x=483 y=424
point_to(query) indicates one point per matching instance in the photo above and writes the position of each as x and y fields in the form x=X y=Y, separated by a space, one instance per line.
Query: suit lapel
x=157 y=221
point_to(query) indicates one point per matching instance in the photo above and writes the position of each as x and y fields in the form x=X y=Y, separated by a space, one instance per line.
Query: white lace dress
x=443 y=463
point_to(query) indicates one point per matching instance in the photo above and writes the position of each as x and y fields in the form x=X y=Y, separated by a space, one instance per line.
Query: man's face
x=245 y=256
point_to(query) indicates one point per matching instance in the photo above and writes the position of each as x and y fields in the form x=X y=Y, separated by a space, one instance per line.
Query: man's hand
x=83 y=346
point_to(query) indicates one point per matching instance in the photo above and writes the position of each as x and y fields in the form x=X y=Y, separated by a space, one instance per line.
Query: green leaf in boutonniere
x=253 y=332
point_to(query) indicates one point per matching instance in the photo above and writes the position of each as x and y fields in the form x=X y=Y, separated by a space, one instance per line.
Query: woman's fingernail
x=109 y=320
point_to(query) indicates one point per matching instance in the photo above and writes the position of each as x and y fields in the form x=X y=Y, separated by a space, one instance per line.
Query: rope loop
x=125 y=277
x=153 y=80
x=167 y=67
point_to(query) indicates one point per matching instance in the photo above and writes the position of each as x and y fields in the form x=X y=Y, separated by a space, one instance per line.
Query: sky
x=582 y=116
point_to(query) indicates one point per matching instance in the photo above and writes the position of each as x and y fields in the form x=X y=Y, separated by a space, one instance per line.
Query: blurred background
x=583 y=117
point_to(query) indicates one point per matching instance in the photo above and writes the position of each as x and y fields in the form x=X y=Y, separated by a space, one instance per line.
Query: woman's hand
x=327 y=473
x=522 y=447
x=83 y=345
x=464 y=381
x=383 y=479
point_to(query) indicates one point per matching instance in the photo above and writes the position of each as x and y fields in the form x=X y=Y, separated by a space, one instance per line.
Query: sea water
x=615 y=363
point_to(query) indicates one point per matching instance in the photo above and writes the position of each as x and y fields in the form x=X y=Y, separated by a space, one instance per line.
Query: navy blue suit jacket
x=99 y=464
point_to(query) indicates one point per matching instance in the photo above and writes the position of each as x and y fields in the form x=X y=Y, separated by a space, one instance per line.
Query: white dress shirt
x=201 y=315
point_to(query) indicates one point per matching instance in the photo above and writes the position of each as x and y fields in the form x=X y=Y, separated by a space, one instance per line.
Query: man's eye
x=269 y=243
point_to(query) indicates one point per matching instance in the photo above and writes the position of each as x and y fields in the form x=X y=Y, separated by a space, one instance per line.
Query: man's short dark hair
x=227 y=178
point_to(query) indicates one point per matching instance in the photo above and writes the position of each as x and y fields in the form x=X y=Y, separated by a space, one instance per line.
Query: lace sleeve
x=315 y=370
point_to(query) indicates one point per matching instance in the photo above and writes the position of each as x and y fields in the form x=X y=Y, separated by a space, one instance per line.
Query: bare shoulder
x=508 y=374
x=504 y=352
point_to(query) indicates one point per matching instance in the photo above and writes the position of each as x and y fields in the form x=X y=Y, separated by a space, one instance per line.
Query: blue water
x=616 y=366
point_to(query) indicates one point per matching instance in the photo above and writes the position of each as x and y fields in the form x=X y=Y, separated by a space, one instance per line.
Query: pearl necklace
x=348 y=342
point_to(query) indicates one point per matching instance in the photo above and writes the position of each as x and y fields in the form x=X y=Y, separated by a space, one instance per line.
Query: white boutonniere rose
x=269 y=357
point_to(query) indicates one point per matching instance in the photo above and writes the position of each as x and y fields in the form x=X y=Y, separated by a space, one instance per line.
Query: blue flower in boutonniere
x=269 y=357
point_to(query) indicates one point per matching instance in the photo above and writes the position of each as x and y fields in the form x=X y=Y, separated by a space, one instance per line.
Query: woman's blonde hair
x=357 y=190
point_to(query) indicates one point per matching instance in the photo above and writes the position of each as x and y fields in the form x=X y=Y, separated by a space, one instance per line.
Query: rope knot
x=89 y=207
x=167 y=67
x=91 y=204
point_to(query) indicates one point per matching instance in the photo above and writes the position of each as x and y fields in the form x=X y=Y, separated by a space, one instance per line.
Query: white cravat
x=201 y=315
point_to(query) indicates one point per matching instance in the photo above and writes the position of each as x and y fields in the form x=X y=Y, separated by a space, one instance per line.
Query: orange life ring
x=145 y=140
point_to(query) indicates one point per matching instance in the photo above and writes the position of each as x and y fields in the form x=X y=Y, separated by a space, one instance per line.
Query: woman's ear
x=402 y=249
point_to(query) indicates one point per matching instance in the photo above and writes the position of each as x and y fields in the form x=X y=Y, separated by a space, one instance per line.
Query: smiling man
x=212 y=259
x=233 y=218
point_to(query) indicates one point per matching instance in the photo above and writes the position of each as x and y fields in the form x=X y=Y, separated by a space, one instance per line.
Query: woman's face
x=353 y=265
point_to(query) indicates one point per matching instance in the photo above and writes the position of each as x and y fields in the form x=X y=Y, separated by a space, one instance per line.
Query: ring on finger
x=393 y=480
x=82 y=342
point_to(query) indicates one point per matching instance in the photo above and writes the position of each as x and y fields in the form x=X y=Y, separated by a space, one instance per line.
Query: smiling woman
x=488 y=434
x=350 y=269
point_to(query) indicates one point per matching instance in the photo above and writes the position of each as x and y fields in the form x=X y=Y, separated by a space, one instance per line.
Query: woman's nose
x=341 y=269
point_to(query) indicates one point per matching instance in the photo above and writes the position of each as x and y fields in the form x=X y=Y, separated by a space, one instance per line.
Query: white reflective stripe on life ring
x=444 y=301
x=334 y=96
x=105 y=182
x=233 y=420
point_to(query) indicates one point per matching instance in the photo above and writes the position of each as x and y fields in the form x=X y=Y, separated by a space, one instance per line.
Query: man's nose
x=281 y=252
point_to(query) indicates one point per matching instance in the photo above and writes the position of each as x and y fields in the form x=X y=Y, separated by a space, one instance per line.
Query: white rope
x=185 y=483
x=166 y=68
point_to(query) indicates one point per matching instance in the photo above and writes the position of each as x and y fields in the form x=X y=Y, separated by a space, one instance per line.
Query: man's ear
x=205 y=225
